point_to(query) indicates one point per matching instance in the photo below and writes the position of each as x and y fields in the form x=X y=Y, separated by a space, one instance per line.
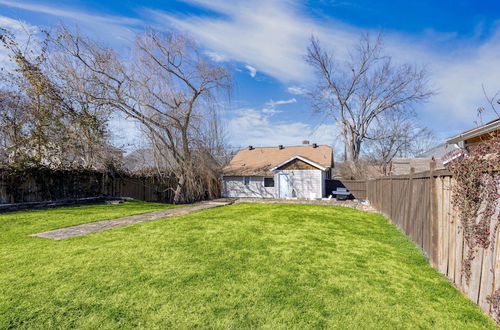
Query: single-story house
x=471 y=137
x=477 y=134
x=446 y=152
x=279 y=172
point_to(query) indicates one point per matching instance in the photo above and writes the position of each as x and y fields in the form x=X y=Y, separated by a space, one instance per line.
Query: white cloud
x=22 y=31
x=265 y=127
x=109 y=27
x=273 y=36
x=70 y=13
x=251 y=70
x=254 y=127
x=216 y=57
x=459 y=79
x=271 y=111
x=268 y=34
x=296 y=90
x=272 y=103
x=16 y=25
x=270 y=106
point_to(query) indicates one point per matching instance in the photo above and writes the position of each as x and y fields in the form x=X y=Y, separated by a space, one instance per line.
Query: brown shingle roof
x=259 y=161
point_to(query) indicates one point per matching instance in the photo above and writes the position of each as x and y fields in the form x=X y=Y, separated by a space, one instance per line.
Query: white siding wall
x=306 y=183
x=235 y=187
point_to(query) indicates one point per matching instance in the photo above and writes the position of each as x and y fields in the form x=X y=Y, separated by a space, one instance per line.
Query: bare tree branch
x=355 y=92
x=169 y=87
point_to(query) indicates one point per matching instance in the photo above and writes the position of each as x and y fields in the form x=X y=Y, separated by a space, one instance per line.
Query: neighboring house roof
x=401 y=166
x=474 y=132
x=437 y=152
x=344 y=171
x=261 y=161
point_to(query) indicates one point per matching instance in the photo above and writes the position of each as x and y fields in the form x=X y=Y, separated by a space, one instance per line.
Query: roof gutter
x=475 y=132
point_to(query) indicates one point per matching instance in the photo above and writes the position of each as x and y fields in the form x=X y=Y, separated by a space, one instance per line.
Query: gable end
x=297 y=164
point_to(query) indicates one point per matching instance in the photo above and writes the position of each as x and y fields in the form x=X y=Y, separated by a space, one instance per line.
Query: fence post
x=367 y=193
x=410 y=198
x=434 y=216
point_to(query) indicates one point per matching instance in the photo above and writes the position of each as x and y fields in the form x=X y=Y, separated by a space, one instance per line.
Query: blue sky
x=263 y=43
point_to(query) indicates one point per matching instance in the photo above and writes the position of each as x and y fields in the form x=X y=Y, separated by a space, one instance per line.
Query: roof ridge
x=285 y=146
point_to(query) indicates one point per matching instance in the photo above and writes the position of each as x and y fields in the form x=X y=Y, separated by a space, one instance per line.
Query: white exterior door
x=285 y=186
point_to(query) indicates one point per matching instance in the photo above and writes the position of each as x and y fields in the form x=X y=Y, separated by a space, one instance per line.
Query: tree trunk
x=344 y=137
x=178 y=190
x=354 y=147
x=385 y=168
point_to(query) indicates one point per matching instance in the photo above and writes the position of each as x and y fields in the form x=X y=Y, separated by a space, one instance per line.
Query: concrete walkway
x=93 y=227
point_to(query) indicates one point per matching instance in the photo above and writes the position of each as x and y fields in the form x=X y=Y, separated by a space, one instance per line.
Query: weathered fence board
x=356 y=187
x=475 y=278
x=496 y=266
x=452 y=243
x=458 y=253
x=486 y=280
x=445 y=221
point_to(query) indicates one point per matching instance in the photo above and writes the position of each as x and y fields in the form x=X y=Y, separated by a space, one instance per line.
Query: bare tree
x=355 y=92
x=394 y=135
x=170 y=88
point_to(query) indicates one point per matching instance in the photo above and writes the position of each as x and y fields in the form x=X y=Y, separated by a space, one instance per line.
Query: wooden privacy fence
x=356 y=187
x=420 y=205
x=37 y=185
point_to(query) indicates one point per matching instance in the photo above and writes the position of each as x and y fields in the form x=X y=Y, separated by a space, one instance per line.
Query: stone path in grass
x=332 y=202
x=93 y=227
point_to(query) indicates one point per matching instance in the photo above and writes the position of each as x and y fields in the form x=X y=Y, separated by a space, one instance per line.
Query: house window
x=246 y=180
x=268 y=182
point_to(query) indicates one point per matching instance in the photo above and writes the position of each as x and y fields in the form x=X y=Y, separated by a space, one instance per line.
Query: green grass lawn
x=240 y=266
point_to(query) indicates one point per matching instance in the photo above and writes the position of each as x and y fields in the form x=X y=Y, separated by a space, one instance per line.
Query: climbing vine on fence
x=475 y=196
x=494 y=300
